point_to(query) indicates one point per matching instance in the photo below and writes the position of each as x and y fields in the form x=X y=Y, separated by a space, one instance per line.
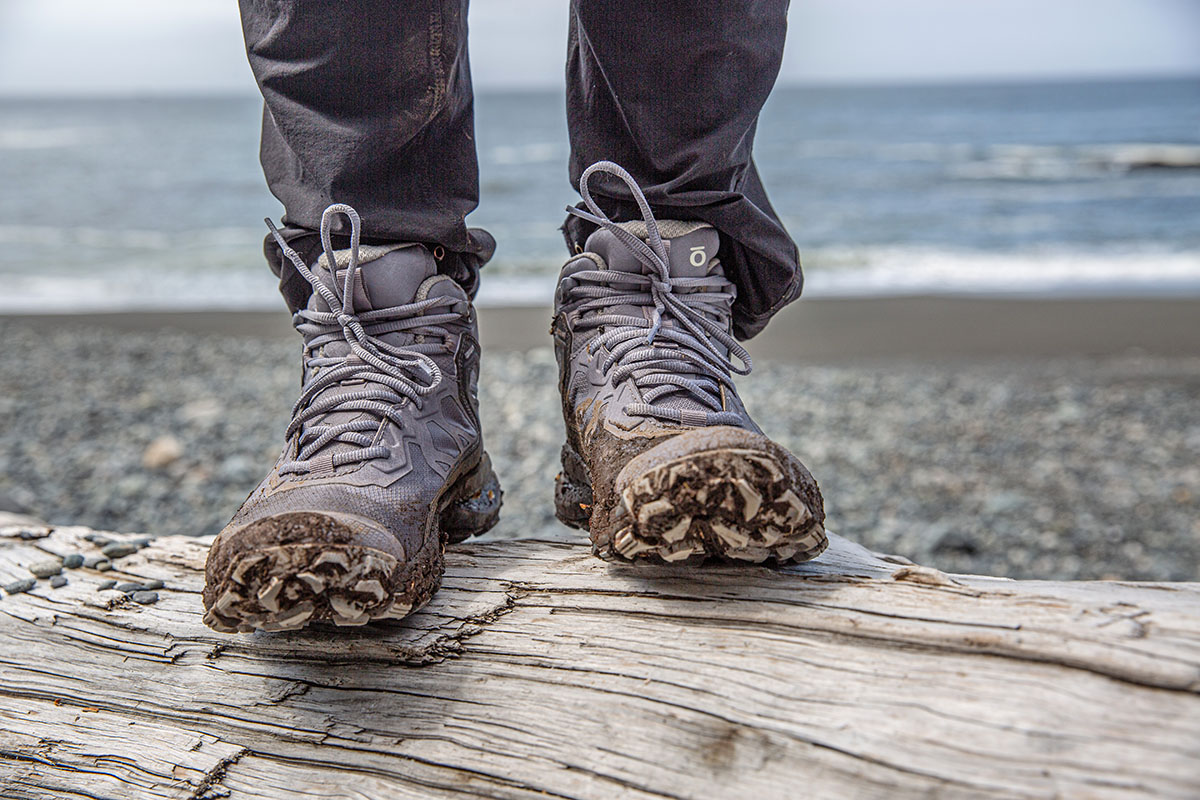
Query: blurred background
x=996 y=366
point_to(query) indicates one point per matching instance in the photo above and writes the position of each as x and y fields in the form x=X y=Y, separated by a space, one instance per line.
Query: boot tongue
x=387 y=276
x=691 y=248
x=691 y=253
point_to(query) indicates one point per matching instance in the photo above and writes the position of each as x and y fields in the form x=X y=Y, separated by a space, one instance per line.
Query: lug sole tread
x=286 y=587
x=728 y=504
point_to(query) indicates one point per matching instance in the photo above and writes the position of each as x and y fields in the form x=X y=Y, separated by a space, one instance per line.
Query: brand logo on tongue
x=698 y=257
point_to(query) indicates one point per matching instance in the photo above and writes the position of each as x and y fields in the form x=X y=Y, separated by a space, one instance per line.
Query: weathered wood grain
x=539 y=671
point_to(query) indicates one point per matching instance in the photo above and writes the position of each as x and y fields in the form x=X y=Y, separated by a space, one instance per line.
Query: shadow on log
x=539 y=671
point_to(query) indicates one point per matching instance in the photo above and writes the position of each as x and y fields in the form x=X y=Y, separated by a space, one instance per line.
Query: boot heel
x=572 y=499
x=475 y=507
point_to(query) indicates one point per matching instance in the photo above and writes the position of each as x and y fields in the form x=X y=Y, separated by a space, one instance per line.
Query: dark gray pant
x=369 y=103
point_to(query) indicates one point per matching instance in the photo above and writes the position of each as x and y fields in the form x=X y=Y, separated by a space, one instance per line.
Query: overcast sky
x=137 y=46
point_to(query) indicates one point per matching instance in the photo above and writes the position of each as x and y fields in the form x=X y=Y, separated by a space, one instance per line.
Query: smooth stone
x=92 y=562
x=119 y=549
x=145 y=598
x=73 y=560
x=58 y=581
x=23 y=585
x=154 y=584
x=44 y=569
x=162 y=452
x=105 y=585
x=129 y=588
x=104 y=566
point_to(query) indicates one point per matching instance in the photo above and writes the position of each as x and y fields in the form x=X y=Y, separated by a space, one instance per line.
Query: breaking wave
x=832 y=272
x=1016 y=161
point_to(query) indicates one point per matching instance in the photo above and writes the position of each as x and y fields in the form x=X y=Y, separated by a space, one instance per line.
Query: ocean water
x=1076 y=189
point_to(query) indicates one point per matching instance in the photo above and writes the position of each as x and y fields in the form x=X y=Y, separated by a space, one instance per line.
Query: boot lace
x=384 y=377
x=692 y=359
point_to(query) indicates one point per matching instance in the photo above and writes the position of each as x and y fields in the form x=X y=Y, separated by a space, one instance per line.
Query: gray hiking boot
x=384 y=460
x=662 y=461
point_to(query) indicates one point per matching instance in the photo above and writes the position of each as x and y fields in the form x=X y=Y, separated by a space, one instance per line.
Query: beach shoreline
x=815 y=330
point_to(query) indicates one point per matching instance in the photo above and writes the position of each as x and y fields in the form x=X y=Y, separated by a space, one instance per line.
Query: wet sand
x=822 y=330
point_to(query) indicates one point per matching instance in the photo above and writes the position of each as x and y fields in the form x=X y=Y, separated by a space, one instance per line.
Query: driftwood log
x=539 y=672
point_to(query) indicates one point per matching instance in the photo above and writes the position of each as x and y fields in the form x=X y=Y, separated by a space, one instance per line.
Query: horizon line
x=517 y=88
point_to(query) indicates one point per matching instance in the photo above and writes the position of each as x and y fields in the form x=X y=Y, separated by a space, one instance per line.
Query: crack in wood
x=205 y=789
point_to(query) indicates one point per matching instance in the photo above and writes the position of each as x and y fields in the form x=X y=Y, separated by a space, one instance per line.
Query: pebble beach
x=1047 y=467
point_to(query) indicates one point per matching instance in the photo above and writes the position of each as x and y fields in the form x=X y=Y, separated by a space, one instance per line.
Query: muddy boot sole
x=287 y=571
x=690 y=503
x=286 y=587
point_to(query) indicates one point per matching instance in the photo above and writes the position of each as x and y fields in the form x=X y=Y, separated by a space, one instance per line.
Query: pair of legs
x=369 y=103
x=368 y=141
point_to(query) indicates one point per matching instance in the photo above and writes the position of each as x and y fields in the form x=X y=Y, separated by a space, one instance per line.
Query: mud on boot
x=662 y=461
x=384 y=461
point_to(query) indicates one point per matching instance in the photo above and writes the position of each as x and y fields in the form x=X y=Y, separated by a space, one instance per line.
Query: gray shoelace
x=385 y=377
x=689 y=361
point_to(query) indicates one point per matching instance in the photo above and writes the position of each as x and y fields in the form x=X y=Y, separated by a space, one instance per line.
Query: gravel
x=1057 y=469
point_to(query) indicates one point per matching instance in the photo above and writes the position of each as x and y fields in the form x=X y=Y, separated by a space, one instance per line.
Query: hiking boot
x=384 y=460
x=662 y=461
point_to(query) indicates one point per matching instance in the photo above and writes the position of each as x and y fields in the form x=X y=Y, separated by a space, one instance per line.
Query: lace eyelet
x=439 y=252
